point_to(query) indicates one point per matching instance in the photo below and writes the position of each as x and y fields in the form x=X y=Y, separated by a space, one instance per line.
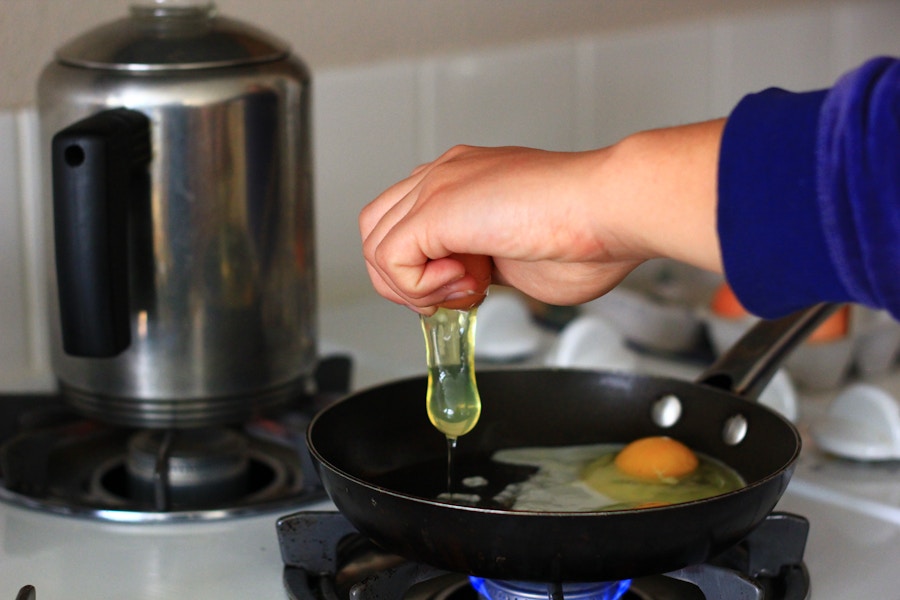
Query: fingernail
x=459 y=294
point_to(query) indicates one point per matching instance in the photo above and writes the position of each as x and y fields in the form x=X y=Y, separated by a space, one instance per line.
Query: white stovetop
x=851 y=553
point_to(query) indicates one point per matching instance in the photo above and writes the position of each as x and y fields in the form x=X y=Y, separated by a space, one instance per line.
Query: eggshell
x=479 y=268
x=725 y=303
x=833 y=328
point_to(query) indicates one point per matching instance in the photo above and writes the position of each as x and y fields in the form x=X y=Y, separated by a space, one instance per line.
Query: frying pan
x=383 y=464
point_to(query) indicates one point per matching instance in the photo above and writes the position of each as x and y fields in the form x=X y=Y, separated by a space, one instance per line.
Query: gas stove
x=327 y=558
x=852 y=509
x=57 y=461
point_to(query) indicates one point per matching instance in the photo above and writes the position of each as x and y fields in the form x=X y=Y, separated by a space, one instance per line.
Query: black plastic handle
x=748 y=366
x=99 y=165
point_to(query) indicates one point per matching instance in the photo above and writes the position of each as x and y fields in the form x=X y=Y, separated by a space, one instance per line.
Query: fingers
x=398 y=263
x=408 y=269
x=468 y=202
x=461 y=292
x=415 y=232
x=376 y=210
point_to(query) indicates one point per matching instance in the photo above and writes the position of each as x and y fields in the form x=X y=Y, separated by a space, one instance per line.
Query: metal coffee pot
x=177 y=162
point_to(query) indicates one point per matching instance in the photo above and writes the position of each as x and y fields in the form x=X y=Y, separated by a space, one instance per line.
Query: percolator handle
x=99 y=167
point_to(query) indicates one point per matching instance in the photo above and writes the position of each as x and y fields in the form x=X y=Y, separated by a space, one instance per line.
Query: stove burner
x=187 y=467
x=55 y=461
x=94 y=470
x=326 y=558
x=489 y=589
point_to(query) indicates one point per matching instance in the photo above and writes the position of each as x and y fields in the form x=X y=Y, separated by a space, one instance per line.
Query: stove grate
x=327 y=559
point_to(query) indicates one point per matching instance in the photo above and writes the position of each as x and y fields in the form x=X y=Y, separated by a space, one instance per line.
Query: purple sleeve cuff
x=774 y=251
x=859 y=181
x=809 y=194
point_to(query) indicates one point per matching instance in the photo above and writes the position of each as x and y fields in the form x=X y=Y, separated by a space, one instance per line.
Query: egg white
x=558 y=486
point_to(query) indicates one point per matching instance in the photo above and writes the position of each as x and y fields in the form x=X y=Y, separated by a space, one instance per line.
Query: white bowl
x=723 y=332
x=647 y=322
x=504 y=330
x=821 y=365
x=780 y=396
x=589 y=342
x=877 y=341
x=862 y=422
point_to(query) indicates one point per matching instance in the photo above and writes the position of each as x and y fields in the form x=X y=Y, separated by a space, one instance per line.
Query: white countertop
x=849 y=555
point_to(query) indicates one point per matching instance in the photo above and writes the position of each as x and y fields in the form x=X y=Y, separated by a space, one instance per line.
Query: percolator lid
x=167 y=35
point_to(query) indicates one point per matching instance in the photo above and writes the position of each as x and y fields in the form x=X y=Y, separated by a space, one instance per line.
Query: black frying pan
x=383 y=463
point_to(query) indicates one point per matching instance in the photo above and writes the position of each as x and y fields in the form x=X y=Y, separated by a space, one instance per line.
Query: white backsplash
x=374 y=123
x=24 y=357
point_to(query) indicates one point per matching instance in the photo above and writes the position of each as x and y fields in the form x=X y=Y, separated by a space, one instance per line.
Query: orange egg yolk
x=656 y=459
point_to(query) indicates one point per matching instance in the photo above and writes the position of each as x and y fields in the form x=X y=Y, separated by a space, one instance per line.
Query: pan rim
x=785 y=469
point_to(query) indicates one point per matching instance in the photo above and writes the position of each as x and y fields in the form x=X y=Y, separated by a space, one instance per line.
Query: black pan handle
x=750 y=364
x=96 y=164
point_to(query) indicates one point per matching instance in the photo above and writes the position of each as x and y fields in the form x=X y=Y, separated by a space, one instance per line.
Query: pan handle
x=749 y=364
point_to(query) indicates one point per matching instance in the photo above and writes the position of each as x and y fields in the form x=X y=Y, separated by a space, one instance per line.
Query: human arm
x=799 y=199
x=561 y=227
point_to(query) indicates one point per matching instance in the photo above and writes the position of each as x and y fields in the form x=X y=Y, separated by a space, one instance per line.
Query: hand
x=518 y=206
x=561 y=227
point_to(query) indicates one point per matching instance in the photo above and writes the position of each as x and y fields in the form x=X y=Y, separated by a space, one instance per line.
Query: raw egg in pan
x=652 y=471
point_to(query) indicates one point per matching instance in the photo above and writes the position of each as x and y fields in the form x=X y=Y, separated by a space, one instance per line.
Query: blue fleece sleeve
x=809 y=194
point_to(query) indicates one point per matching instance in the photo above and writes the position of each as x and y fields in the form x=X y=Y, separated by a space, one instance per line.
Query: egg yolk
x=656 y=459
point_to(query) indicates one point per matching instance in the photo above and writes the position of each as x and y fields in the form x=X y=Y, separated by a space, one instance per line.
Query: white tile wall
x=373 y=124
x=12 y=272
x=23 y=338
x=792 y=50
x=521 y=96
x=864 y=30
x=365 y=138
x=645 y=79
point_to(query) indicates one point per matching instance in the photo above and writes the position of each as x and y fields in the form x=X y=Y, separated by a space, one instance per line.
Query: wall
x=374 y=120
x=336 y=33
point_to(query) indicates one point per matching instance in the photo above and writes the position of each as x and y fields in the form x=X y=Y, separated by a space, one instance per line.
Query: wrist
x=658 y=192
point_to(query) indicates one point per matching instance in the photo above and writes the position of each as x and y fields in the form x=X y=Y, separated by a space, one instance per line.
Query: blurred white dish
x=821 y=365
x=863 y=422
x=648 y=322
x=877 y=341
x=724 y=332
x=780 y=396
x=505 y=331
x=590 y=342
